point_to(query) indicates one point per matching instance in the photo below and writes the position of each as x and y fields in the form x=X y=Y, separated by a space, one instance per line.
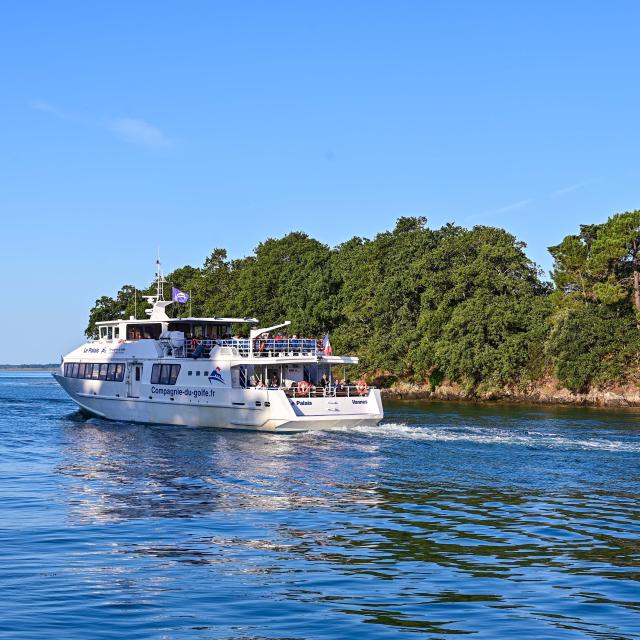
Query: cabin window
x=138 y=372
x=164 y=373
x=116 y=332
x=109 y=333
x=144 y=331
x=103 y=332
x=198 y=373
x=89 y=371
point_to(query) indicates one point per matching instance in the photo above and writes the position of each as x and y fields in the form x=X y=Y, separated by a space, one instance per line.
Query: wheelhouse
x=199 y=328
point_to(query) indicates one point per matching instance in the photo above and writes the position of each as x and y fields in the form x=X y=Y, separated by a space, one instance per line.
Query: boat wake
x=489 y=435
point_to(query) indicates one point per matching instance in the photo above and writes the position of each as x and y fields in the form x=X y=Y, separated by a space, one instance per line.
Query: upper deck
x=197 y=337
x=246 y=348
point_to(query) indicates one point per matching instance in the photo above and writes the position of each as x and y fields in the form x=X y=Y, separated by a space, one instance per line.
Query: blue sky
x=128 y=126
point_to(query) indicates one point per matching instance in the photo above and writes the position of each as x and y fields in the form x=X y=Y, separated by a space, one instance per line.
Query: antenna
x=159 y=279
x=157 y=302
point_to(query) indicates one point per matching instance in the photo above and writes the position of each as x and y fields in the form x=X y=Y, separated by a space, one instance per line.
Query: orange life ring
x=362 y=387
x=194 y=343
x=303 y=387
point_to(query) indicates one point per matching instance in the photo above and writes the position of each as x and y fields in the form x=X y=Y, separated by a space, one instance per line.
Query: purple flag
x=179 y=296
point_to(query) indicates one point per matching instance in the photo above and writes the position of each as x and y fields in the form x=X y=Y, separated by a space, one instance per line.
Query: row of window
x=165 y=373
x=110 y=332
x=160 y=373
x=91 y=371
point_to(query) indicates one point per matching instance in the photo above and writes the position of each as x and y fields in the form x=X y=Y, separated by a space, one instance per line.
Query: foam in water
x=486 y=435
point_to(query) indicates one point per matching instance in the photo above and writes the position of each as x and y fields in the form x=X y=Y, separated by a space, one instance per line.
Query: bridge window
x=144 y=331
x=164 y=373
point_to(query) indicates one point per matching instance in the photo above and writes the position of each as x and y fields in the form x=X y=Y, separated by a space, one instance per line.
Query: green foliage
x=483 y=307
x=593 y=345
x=602 y=263
x=465 y=305
x=380 y=283
x=594 y=337
x=107 y=308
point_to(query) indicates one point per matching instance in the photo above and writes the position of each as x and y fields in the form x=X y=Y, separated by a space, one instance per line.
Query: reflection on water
x=123 y=471
x=498 y=522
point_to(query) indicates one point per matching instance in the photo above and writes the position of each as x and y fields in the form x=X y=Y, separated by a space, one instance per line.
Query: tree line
x=428 y=305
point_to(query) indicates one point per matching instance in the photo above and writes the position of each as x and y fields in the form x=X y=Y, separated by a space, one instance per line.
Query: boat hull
x=240 y=409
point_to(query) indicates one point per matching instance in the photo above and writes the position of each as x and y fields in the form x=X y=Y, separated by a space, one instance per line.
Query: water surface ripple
x=445 y=520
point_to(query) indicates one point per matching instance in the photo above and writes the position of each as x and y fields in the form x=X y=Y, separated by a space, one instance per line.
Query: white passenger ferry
x=191 y=371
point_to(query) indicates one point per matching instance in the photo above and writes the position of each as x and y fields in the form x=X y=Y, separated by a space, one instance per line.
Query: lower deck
x=136 y=398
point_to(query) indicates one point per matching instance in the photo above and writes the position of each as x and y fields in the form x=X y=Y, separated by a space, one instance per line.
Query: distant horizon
x=34 y=365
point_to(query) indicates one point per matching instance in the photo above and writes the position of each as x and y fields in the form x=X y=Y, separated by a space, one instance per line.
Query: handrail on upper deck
x=269 y=347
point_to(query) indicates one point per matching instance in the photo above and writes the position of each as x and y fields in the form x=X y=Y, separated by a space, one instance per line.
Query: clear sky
x=125 y=126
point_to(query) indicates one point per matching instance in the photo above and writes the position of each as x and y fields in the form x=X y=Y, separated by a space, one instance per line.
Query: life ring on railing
x=362 y=387
x=303 y=387
x=194 y=343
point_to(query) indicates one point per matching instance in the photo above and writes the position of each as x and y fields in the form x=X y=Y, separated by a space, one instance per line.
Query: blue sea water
x=445 y=520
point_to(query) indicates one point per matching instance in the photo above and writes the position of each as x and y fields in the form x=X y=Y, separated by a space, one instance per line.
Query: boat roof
x=175 y=320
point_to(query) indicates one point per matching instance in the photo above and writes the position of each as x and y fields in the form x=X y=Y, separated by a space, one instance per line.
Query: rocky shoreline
x=548 y=392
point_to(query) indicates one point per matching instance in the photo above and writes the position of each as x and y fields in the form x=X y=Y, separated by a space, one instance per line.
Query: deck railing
x=265 y=348
x=329 y=391
x=317 y=391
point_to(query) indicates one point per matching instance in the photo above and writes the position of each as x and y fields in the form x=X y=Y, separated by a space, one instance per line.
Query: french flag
x=326 y=346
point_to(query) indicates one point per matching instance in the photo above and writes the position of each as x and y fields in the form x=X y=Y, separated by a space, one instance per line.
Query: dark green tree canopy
x=424 y=304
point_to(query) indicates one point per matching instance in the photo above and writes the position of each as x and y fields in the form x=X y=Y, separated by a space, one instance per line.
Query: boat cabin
x=201 y=328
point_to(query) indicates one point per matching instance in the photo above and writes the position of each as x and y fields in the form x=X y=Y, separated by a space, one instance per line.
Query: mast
x=159 y=279
x=157 y=302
